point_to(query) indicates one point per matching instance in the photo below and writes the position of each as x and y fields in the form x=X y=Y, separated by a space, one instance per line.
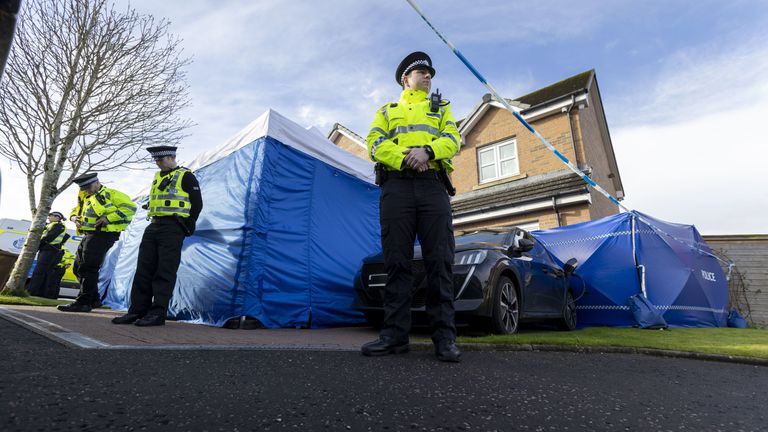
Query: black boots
x=128 y=318
x=74 y=307
x=384 y=346
x=150 y=321
x=447 y=352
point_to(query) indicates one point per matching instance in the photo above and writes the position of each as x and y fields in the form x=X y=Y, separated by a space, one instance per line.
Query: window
x=498 y=161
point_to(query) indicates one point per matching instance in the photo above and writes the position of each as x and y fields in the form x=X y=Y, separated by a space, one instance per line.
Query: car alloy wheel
x=506 y=307
x=568 y=321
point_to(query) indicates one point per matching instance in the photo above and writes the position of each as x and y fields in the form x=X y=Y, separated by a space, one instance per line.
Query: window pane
x=509 y=167
x=507 y=151
x=488 y=172
x=486 y=157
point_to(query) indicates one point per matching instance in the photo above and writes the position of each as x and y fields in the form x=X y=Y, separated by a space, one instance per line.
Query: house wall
x=351 y=146
x=533 y=157
x=750 y=254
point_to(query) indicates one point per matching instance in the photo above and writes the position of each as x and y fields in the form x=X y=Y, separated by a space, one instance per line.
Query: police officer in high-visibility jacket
x=412 y=141
x=174 y=204
x=54 y=281
x=49 y=252
x=101 y=216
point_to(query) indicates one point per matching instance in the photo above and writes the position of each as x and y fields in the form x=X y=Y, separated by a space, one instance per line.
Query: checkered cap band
x=163 y=153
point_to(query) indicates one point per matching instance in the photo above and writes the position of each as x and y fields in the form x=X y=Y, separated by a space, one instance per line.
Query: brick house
x=505 y=176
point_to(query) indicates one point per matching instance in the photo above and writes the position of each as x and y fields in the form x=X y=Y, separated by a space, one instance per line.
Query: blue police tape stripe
x=589 y=180
x=471 y=68
x=562 y=157
x=522 y=120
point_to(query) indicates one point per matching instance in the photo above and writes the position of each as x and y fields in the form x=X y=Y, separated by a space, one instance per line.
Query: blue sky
x=684 y=84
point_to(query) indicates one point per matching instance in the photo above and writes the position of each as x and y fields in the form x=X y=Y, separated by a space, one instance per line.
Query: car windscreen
x=494 y=237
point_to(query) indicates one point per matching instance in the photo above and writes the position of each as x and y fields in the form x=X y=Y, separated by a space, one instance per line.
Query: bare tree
x=85 y=87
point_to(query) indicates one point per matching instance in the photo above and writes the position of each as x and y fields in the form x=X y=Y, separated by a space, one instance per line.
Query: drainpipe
x=557 y=212
x=570 y=125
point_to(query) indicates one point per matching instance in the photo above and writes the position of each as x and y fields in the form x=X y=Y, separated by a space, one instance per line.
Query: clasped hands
x=417 y=159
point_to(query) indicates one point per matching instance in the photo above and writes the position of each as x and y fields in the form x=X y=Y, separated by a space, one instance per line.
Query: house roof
x=545 y=186
x=559 y=89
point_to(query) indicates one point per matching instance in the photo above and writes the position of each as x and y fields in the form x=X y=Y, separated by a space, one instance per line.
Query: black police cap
x=86 y=179
x=158 y=152
x=414 y=60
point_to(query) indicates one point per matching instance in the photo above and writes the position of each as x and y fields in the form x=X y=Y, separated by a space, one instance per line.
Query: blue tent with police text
x=633 y=253
x=287 y=218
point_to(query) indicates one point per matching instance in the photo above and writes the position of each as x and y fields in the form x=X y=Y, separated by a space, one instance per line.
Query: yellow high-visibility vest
x=171 y=200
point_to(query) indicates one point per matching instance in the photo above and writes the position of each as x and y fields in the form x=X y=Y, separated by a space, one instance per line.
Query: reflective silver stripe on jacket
x=414 y=128
x=446 y=134
x=376 y=144
x=171 y=197
x=184 y=210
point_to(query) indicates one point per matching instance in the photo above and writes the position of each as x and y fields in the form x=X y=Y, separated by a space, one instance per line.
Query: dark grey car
x=501 y=277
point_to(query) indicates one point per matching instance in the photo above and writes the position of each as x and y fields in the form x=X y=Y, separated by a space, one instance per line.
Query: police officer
x=49 y=253
x=54 y=280
x=413 y=140
x=101 y=216
x=174 y=204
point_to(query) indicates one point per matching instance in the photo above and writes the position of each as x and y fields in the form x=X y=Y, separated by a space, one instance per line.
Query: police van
x=13 y=233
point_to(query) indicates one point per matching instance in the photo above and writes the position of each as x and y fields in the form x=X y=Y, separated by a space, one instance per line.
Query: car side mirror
x=523 y=245
x=570 y=266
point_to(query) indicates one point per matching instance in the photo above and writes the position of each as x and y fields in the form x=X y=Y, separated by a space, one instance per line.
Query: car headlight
x=470 y=257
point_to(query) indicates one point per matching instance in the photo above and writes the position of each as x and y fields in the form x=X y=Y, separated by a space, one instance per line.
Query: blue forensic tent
x=631 y=253
x=287 y=218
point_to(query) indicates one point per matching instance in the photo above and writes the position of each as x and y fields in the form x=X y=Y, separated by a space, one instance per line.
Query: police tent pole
x=517 y=115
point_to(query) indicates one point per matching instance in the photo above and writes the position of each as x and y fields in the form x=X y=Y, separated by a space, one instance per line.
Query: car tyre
x=375 y=318
x=505 y=317
x=568 y=321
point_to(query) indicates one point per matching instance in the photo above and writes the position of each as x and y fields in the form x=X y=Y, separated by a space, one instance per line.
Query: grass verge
x=31 y=301
x=723 y=341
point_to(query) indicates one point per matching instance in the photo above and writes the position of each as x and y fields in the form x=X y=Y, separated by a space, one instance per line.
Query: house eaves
x=533 y=189
x=339 y=129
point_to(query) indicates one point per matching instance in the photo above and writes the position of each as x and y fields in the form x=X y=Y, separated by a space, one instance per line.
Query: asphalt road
x=47 y=387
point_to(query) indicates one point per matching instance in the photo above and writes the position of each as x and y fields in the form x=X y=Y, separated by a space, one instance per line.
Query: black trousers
x=410 y=207
x=47 y=259
x=54 y=282
x=159 y=257
x=88 y=259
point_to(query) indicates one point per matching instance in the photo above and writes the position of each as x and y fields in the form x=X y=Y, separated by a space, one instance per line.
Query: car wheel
x=568 y=321
x=506 y=307
x=375 y=318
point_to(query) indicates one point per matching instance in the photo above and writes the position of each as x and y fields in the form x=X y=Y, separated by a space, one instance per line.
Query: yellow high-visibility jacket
x=114 y=205
x=410 y=123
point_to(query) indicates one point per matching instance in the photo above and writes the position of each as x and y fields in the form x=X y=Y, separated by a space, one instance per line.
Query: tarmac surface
x=185 y=384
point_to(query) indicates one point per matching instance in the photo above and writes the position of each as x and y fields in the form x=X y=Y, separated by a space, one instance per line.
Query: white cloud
x=692 y=150
x=709 y=171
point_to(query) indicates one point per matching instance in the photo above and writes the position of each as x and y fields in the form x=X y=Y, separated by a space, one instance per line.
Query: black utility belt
x=165 y=219
x=412 y=174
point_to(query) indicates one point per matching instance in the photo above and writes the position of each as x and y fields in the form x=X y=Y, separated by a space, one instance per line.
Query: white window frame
x=496 y=160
